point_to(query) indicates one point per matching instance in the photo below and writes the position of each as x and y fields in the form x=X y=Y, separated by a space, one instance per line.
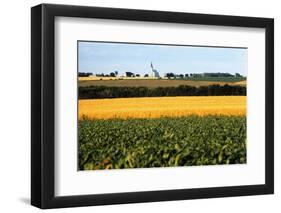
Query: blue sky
x=100 y=57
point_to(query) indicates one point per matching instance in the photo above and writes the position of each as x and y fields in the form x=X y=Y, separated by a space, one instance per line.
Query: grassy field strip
x=87 y=81
x=157 y=107
x=241 y=83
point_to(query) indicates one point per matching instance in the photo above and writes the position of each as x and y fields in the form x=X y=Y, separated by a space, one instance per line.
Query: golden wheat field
x=155 y=107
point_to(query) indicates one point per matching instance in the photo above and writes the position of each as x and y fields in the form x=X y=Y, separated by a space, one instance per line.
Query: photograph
x=160 y=105
x=140 y=105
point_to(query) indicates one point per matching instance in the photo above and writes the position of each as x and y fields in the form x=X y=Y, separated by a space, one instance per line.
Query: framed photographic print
x=138 y=106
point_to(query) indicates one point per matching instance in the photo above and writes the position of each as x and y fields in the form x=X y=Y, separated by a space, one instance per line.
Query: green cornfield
x=161 y=142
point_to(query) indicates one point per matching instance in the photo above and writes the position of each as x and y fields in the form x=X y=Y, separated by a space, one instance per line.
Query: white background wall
x=15 y=105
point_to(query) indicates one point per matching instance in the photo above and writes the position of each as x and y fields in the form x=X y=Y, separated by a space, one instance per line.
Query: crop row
x=155 y=107
x=162 y=142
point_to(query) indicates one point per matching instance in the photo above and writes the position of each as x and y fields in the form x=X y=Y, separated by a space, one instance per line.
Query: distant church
x=155 y=73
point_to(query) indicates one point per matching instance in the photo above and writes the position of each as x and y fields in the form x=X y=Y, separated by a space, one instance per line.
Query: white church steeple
x=154 y=72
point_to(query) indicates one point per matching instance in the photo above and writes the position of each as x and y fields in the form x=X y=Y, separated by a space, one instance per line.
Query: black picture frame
x=43 y=102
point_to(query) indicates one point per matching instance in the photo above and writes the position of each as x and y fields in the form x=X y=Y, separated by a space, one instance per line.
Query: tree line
x=203 y=75
x=84 y=74
x=97 y=92
x=167 y=75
